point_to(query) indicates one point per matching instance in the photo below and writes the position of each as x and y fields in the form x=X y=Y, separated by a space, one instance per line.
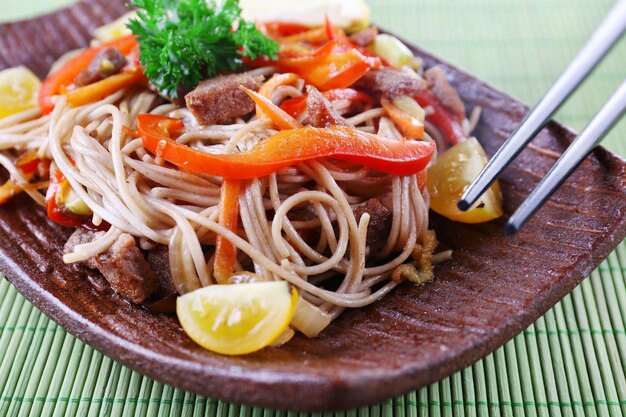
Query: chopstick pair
x=608 y=33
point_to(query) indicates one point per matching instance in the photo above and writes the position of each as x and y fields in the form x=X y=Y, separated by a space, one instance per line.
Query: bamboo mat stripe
x=571 y=362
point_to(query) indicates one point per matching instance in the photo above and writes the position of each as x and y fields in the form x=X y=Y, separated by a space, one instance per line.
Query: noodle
x=135 y=192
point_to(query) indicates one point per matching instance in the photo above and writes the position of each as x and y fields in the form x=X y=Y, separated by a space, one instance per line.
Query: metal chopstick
x=591 y=135
x=606 y=35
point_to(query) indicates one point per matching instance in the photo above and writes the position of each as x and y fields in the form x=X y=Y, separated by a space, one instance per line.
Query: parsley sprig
x=181 y=42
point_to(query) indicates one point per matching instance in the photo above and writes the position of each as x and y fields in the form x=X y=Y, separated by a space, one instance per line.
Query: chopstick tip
x=463 y=205
x=511 y=227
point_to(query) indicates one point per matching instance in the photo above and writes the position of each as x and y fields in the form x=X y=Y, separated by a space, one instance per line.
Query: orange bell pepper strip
x=8 y=190
x=441 y=117
x=286 y=148
x=265 y=108
x=103 y=88
x=58 y=81
x=277 y=29
x=225 y=251
x=331 y=66
x=315 y=36
x=278 y=80
x=409 y=126
x=268 y=88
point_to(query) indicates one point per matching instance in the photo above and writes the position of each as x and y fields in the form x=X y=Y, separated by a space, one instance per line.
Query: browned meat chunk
x=219 y=99
x=108 y=62
x=390 y=82
x=446 y=94
x=164 y=300
x=321 y=111
x=364 y=37
x=123 y=266
x=380 y=222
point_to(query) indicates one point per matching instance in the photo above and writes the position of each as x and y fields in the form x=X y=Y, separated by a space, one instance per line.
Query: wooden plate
x=495 y=286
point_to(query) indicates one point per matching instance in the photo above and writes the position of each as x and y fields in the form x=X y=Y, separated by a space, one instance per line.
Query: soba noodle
x=135 y=192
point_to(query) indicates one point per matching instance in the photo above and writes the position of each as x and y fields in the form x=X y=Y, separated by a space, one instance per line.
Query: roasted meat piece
x=219 y=99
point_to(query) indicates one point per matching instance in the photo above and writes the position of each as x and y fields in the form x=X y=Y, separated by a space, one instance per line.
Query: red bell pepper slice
x=56 y=213
x=60 y=215
x=334 y=65
x=441 y=117
x=28 y=162
x=296 y=105
x=58 y=81
x=276 y=30
x=286 y=148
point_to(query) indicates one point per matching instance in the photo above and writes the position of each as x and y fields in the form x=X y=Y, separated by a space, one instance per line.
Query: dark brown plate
x=495 y=286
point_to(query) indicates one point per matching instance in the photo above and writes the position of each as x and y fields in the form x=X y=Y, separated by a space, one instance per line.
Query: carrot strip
x=408 y=125
x=281 y=119
x=103 y=88
x=58 y=81
x=9 y=190
x=268 y=88
x=225 y=251
x=314 y=36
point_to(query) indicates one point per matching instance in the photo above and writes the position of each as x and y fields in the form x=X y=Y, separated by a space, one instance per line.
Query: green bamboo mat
x=571 y=362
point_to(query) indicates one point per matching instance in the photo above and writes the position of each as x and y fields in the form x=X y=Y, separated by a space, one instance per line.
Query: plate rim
x=353 y=385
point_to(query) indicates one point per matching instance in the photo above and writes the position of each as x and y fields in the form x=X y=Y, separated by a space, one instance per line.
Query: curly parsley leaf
x=181 y=42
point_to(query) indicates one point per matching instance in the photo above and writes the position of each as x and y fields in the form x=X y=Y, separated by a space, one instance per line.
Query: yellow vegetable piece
x=452 y=173
x=115 y=29
x=68 y=198
x=410 y=106
x=18 y=90
x=237 y=319
x=392 y=50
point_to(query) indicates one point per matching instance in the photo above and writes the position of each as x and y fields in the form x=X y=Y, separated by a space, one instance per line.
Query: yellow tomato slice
x=237 y=319
x=452 y=173
x=18 y=90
